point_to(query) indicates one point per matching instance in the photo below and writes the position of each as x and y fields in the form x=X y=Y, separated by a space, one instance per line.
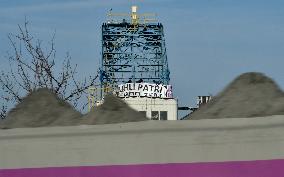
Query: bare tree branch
x=31 y=68
x=3 y=111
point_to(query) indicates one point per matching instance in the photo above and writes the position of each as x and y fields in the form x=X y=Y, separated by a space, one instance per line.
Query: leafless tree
x=3 y=112
x=33 y=67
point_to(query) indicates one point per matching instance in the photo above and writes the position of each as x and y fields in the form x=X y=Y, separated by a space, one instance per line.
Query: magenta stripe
x=260 y=168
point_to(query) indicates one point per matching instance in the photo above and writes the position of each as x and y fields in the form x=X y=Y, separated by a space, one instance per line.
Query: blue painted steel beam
x=131 y=53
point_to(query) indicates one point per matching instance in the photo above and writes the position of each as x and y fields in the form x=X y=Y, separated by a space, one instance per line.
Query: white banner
x=145 y=90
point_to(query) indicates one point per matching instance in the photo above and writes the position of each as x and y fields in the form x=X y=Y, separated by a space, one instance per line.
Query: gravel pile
x=113 y=110
x=249 y=95
x=41 y=108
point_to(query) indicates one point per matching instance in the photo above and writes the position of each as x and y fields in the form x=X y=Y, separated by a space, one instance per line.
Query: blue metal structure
x=133 y=52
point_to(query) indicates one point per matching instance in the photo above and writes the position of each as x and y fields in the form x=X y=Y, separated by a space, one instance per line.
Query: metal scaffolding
x=133 y=51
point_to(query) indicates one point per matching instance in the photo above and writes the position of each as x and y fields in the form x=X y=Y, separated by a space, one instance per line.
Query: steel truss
x=133 y=53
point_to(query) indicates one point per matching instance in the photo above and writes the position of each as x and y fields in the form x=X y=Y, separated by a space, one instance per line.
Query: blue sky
x=209 y=42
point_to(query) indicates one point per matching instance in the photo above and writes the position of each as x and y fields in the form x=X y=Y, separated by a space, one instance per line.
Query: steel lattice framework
x=133 y=53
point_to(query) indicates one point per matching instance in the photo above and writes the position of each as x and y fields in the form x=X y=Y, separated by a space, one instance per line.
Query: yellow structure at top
x=134 y=16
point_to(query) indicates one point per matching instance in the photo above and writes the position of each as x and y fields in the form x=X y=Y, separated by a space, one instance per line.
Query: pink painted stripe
x=260 y=168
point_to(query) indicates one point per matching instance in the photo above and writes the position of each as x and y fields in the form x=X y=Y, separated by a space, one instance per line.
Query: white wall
x=154 y=104
x=147 y=142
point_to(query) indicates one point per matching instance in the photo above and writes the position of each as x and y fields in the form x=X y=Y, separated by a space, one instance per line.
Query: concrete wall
x=151 y=142
x=150 y=104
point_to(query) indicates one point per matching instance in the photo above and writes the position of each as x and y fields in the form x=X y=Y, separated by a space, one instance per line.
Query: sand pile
x=113 y=110
x=41 y=108
x=249 y=95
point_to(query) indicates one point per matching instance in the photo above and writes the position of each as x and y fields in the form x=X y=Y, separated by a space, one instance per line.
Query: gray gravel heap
x=249 y=95
x=113 y=110
x=41 y=108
